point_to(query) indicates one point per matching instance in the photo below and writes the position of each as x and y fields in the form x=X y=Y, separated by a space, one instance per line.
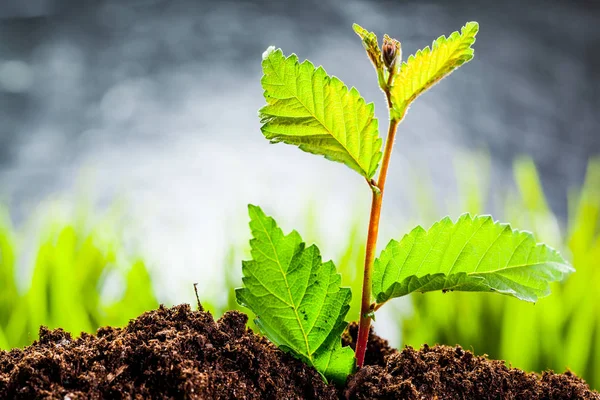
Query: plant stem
x=365 y=310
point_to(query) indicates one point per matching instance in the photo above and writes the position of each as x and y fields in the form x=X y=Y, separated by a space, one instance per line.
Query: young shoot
x=297 y=298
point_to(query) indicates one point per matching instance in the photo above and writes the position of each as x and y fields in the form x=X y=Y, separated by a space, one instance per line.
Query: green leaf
x=316 y=112
x=428 y=66
x=369 y=41
x=474 y=254
x=297 y=299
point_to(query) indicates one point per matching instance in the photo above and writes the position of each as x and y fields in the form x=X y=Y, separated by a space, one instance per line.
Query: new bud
x=391 y=52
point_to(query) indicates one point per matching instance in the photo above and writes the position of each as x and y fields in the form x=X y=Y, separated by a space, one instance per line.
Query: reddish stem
x=365 y=310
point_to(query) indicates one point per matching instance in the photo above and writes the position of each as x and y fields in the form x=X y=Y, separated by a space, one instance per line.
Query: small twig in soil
x=200 y=308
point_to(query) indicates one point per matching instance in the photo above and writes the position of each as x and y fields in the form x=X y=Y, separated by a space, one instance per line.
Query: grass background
x=80 y=276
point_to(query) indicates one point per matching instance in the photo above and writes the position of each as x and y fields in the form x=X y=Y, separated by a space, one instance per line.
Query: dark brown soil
x=443 y=372
x=177 y=353
x=169 y=353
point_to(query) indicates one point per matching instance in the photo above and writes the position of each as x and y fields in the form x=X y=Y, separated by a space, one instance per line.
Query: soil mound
x=169 y=353
x=177 y=353
x=443 y=372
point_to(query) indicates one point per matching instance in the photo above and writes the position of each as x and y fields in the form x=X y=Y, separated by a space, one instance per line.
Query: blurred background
x=130 y=147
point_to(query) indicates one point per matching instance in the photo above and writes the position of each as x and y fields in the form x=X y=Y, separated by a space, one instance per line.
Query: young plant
x=297 y=298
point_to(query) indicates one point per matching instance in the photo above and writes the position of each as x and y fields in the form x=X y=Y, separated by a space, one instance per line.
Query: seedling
x=297 y=298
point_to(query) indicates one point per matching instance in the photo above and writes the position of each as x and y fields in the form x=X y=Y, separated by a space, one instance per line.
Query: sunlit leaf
x=316 y=112
x=297 y=299
x=473 y=254
x=429 y=65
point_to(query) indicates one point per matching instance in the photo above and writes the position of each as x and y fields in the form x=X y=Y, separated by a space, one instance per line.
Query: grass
x=71 y=272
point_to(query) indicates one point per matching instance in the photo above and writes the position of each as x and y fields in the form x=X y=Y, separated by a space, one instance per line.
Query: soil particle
x=177 y=353
x=443 y=372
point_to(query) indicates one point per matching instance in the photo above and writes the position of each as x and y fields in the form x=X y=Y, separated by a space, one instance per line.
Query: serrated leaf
x=473 y=254
x=316 y=112
x=369 y=41
x=297 y=299
x=429 y=65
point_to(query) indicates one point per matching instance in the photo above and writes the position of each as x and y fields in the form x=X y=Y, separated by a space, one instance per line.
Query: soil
x=177 y=353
